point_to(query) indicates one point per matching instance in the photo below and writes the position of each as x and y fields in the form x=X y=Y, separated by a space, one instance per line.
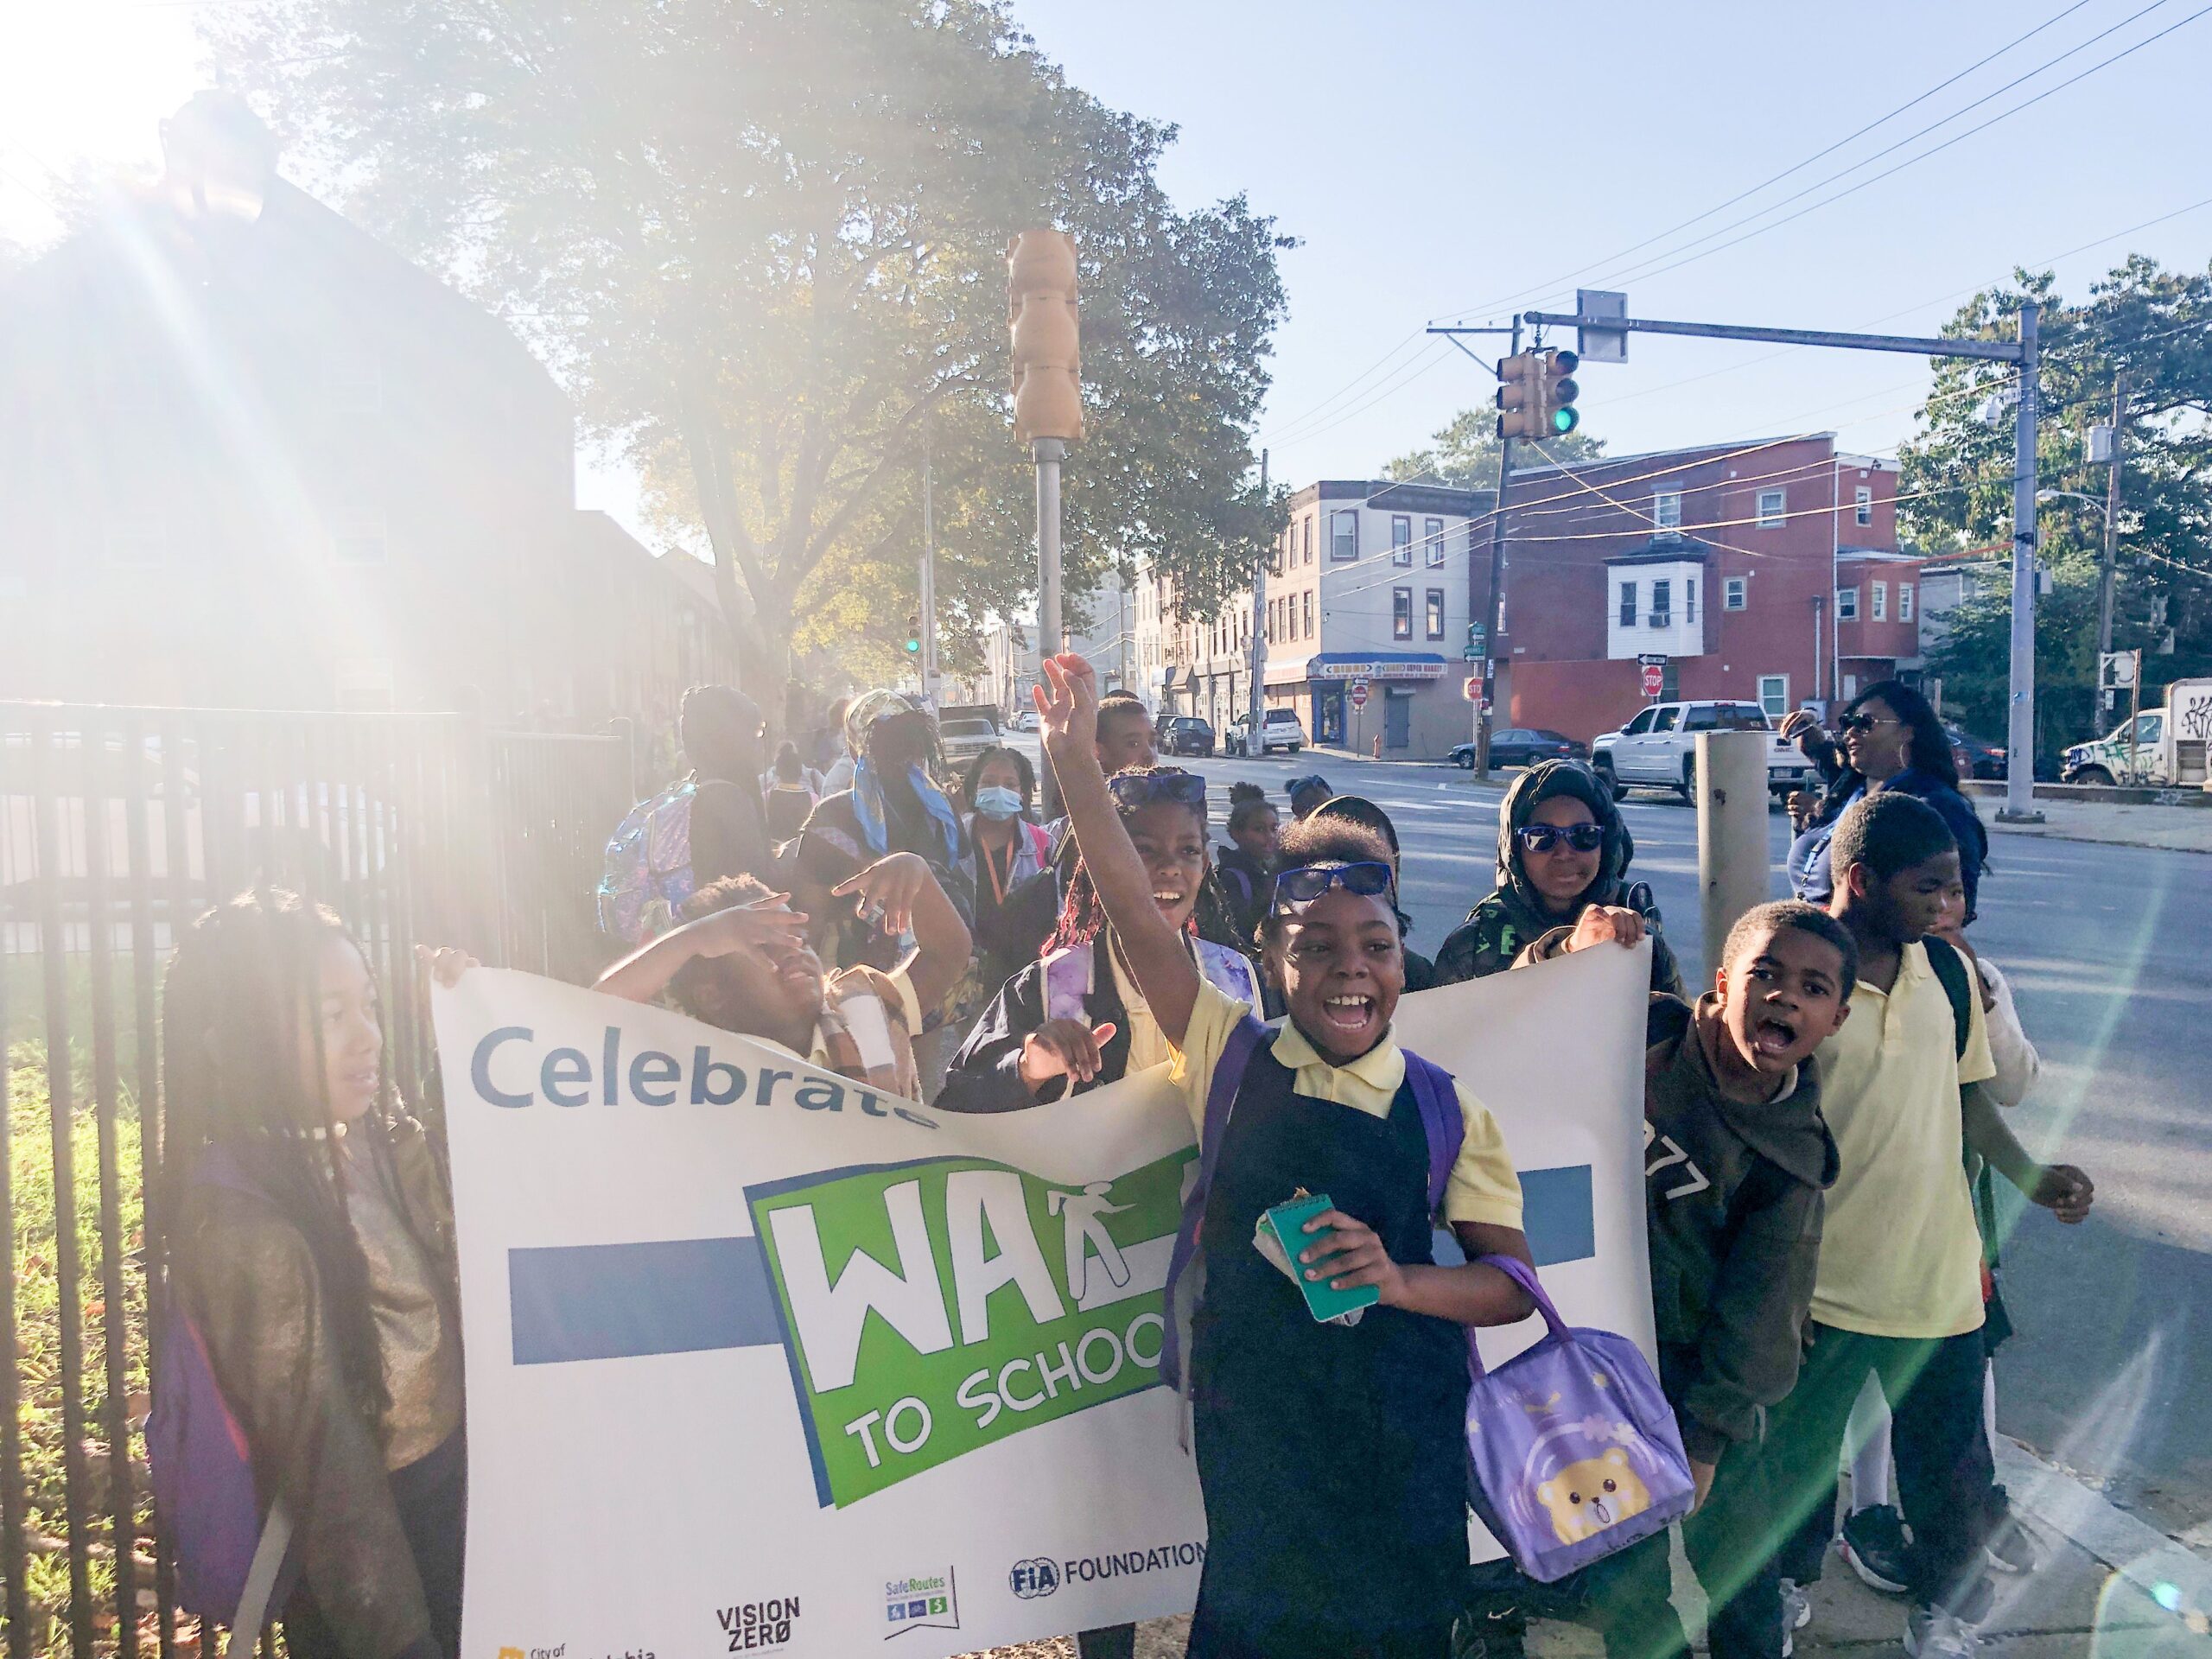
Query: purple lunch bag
x=1575 y=1451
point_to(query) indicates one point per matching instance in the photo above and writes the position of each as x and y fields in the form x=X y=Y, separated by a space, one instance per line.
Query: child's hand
x=884 y=893
x=2066 y=1191
x=446 y=964
x=749 y=927
x=1069 y=1048
x=1351 y=1256
x=1067 y=701
x=1702 y=1473
x=1606 y=924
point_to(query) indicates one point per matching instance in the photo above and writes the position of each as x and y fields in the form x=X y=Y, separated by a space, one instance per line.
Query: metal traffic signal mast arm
x=2019 y=754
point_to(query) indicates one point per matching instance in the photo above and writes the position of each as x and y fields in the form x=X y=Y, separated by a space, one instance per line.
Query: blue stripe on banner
x=1557 y=1213
x=681 y=1296
x=613 y=1302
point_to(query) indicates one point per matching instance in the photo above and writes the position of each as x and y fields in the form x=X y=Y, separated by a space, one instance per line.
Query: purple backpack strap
x=1525 y=1276
x=1067 y=983
x=1236 y=1053
x=1441 y=1121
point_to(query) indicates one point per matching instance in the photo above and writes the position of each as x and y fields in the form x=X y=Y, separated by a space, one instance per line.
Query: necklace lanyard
x=998 y=881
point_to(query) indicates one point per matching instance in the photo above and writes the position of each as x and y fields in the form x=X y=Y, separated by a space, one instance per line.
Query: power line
x=1552 y=285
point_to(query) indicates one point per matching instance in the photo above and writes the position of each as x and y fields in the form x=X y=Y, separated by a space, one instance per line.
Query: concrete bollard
x=1732 y=871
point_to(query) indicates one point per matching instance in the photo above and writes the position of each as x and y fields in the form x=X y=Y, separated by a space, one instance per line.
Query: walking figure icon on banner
x=1084 y=1220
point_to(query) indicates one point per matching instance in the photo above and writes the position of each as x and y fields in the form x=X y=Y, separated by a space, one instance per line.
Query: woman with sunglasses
x=1075 y=1019
x=1889 y=738
x=1562 y=846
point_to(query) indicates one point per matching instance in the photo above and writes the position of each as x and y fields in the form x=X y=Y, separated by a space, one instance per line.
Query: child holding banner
x=741 y=961
x=308 y=1240
x=1331 y=1458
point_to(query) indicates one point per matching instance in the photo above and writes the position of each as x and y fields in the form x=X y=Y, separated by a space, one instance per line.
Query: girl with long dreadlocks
x=308 y=1239
x=1075 y=1019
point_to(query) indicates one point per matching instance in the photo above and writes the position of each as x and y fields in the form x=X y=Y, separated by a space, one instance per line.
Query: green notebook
x=1287 y=1222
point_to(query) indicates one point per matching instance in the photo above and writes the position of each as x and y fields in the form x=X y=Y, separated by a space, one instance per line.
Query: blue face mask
x=998 y=803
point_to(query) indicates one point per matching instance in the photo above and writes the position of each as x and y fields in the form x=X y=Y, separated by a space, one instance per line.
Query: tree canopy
x=1463 y=453
x=762 y=242
x=1956 y=490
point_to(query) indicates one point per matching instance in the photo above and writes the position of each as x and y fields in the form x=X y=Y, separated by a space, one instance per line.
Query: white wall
x=1684 y=636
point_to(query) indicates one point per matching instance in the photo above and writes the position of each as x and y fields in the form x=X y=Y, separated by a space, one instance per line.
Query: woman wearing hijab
x=1889 y=739
x=1562 y=846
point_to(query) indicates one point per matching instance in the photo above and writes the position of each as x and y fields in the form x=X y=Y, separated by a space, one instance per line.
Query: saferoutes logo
x=921 y=1601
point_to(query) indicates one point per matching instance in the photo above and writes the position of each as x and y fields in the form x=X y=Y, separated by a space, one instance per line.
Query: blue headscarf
x=874 y=825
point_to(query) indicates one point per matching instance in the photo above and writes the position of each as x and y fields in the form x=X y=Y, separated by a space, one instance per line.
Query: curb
x=2173 y=1576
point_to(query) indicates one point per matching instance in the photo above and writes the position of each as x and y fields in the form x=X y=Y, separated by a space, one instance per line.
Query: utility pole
x=1047 y=407
x=2019 y=758
x=2112 y=524
x=929 y=584
x=1048 y=453
x=1255 y=738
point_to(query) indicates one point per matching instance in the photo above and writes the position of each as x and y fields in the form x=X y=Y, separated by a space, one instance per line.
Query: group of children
x=1814 y=1125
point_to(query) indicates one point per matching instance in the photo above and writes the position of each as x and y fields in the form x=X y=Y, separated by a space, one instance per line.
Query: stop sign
x=1359 y=694
x=1654 y=680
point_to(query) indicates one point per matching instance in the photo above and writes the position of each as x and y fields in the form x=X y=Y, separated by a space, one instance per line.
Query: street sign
x=1652 y=659
x=1654 y=679
x=1472 y=689
x=1478 y=642
x=1359 y=694
x=1600 y=345
x=2117 y=668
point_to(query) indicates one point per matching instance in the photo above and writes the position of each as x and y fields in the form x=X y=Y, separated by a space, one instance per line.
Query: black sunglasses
x=1298 y=887
x=1542 y=837
x=1863 y=724
x=1143 y=788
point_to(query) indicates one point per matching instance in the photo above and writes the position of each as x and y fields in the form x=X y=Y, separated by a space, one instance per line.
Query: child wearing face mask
x=1005 y=847
x=1562 y=846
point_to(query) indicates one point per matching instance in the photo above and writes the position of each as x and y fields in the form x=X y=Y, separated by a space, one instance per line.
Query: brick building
x=1766 y=572
x=251 y=458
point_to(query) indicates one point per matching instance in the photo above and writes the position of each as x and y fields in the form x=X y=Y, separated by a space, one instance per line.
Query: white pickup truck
x=1658 y=748
x=2168 y=745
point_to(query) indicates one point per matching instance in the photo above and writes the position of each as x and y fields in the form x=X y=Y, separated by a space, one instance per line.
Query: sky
x=1454 y=162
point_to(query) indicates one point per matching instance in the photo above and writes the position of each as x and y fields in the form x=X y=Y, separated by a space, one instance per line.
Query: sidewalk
x=2112 y=1586
x=2173 y=828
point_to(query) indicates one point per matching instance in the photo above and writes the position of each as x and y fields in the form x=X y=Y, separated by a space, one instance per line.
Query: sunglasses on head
x=1863 y=724
x=1144 y=788
x=1297 y=888
x=1542 y=837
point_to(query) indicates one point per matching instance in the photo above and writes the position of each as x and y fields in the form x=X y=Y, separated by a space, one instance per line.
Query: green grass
x=38 y=1334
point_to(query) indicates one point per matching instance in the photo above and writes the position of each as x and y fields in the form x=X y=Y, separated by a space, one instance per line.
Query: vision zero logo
x=759 y=1626
x=1040 y=1575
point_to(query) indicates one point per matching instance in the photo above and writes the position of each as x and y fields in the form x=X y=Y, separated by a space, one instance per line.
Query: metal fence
x=117 y=827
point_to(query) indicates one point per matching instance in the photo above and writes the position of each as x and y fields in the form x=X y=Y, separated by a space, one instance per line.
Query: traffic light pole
x=2019 y=757
x=1049 y=452
x=929 y=586
x=1496 y=610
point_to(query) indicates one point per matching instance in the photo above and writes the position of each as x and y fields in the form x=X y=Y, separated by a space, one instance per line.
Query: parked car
x=964 y=736
x=1024 y=721
x=1973 y=758
x=1281 y=731
x=1658 y=748
x=1521 y=746
x=1184 y=734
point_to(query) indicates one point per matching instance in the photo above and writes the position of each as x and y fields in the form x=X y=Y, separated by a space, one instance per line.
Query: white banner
x=762 y=1361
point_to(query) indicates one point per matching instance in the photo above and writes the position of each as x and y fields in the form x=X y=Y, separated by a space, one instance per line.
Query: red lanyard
x=998 y=881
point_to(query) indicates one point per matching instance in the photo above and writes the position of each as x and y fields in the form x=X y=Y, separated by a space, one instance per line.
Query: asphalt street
x=2111 y=1371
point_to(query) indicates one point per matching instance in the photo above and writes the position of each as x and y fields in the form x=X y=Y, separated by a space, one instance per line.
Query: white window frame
x=1662 y=614
x=1862 y=505
x=1343 y=532
x=1432 y=539
x=1402 y=539
x=1689 y=601
x=1904 y=601
x=1775 y=701
x=1624 y=612
x=1881 y=601
x=1309 y=608
x=1402 y=613
x=1846 y=604
x=1309 y=538
x=1666 y=512
x=1435 y=613
x=1735 y=592
x=1772 y=509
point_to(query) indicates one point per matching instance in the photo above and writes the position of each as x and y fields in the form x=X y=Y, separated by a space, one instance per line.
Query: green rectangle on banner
x=932 y=1308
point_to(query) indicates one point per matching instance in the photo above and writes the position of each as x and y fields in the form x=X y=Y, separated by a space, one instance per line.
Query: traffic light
x=1556 y=413
x=914 y=636
x=1519 y=391
x=1040 y=307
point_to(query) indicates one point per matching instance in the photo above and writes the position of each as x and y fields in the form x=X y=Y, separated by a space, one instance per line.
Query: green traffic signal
x=1564 y=421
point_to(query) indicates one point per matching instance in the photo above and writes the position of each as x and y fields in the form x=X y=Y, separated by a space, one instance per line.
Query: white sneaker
x=1796 y=1607
x=1931 y=1633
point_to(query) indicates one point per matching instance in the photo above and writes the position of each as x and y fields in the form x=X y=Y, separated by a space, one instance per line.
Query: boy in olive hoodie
x=1736 y=1158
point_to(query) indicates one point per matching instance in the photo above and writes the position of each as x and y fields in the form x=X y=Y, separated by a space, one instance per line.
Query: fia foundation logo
x=920 y=1601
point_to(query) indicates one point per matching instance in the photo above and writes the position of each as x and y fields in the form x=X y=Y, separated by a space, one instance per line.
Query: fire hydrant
x=1377 y=743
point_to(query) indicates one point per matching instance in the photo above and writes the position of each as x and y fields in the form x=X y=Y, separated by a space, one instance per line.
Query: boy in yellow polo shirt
x=1898 y=1289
